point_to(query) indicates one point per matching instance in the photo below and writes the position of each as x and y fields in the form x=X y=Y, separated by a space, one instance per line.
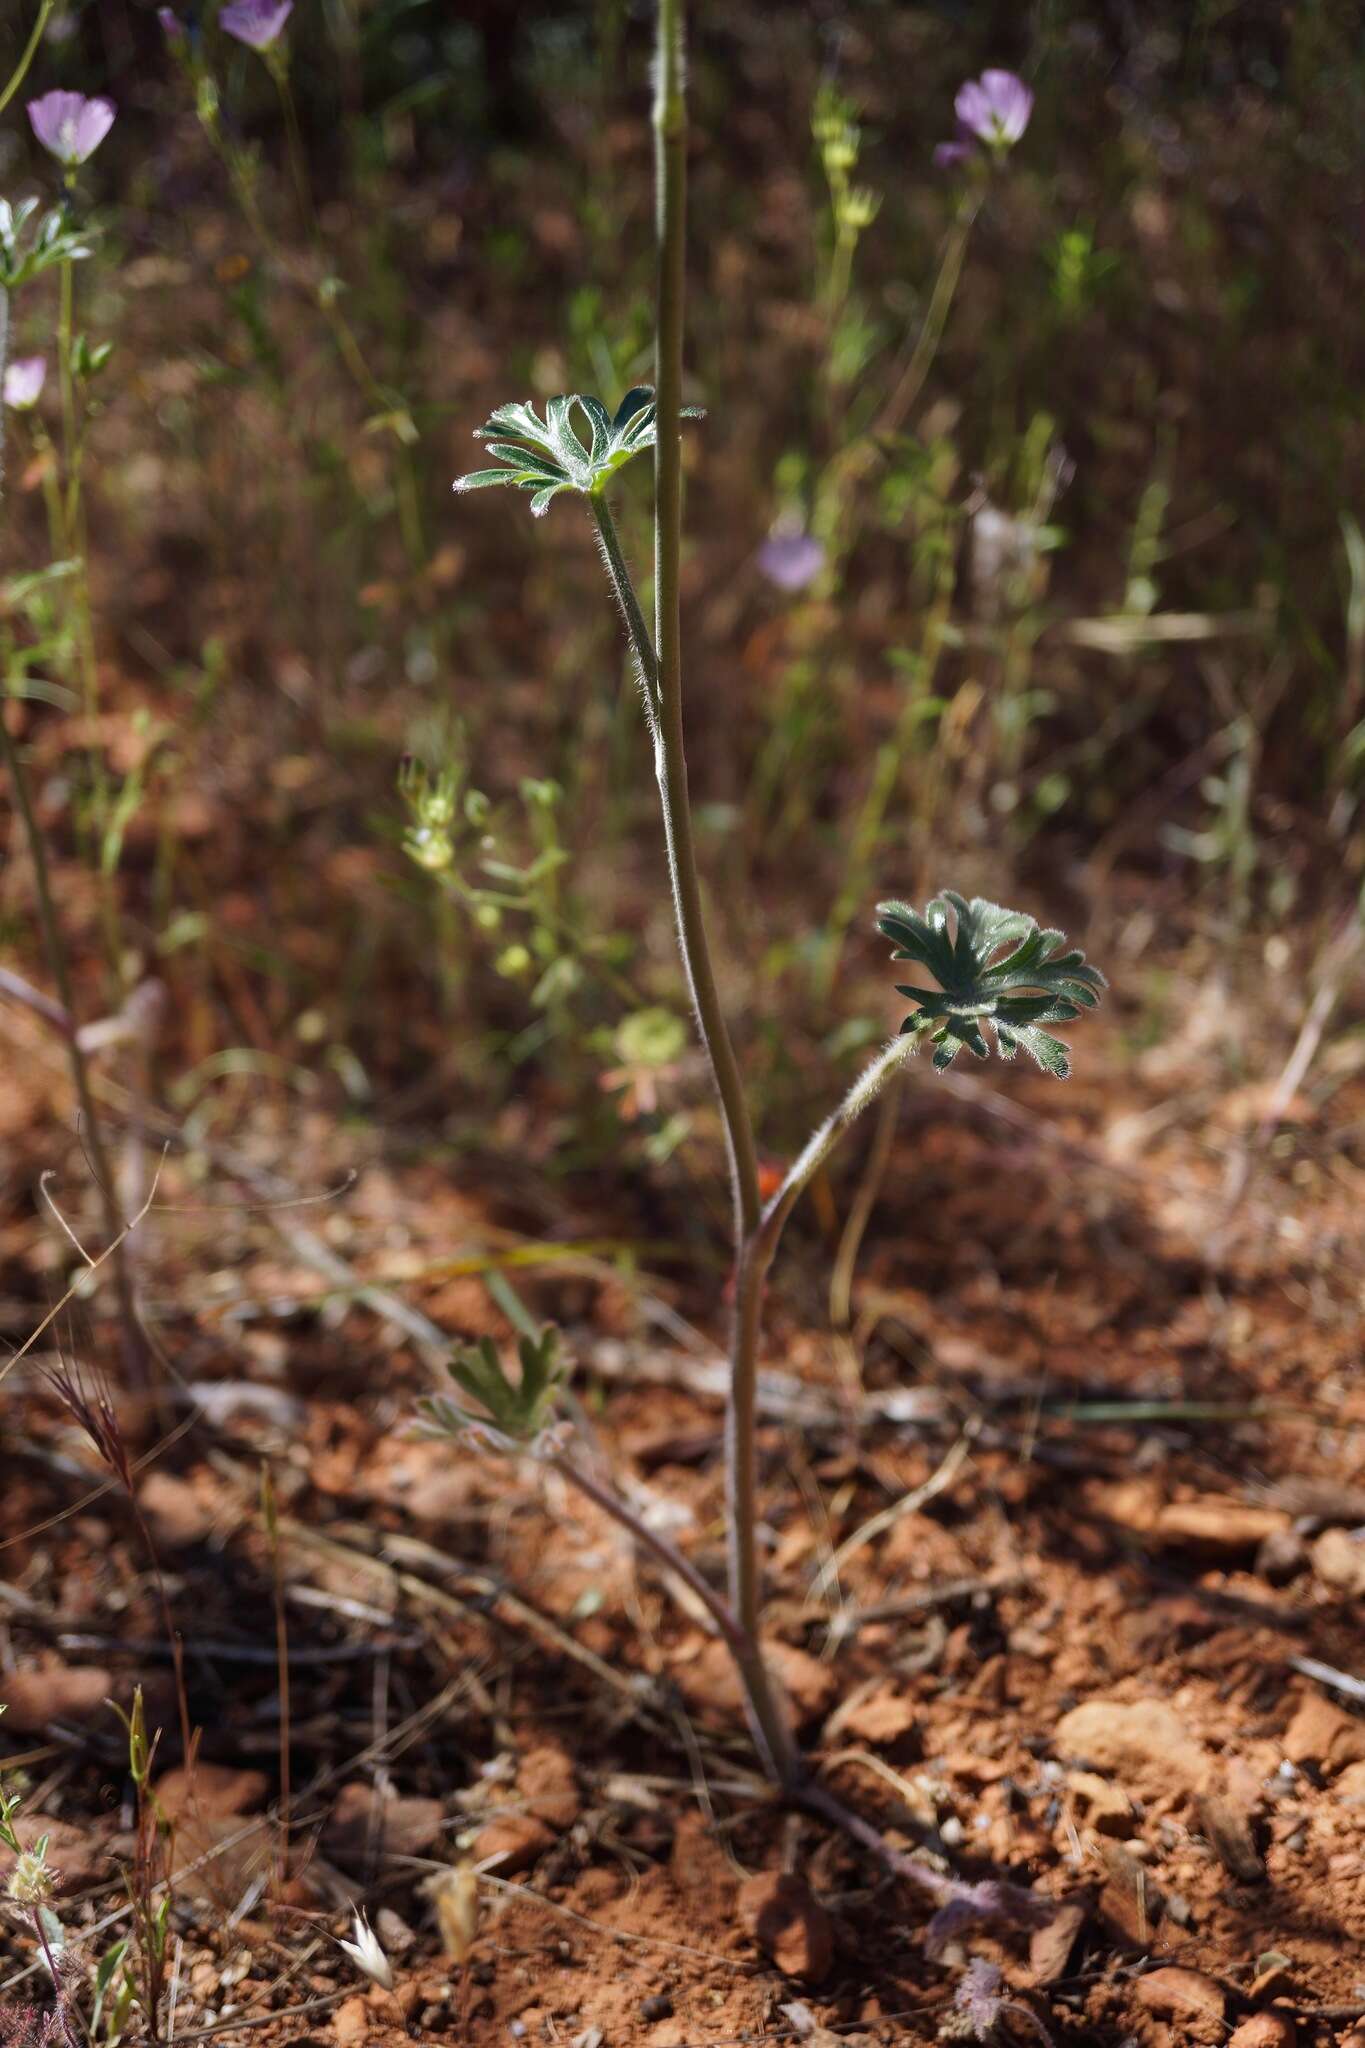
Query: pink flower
x=791 y=559
x=257 y=23
x=69 y=125
x=24 y=381
x=996 y=107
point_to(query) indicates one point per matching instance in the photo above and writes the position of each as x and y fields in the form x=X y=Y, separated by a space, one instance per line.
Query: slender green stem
x=823 y=1141
x=277 y=64
x=4 y=358
x=770 y=1722
x=853 y=464
x=30 y=51
x=75 y=547
x=911 y=380
x=670 y=757
x=618 y=575
x=65 y=323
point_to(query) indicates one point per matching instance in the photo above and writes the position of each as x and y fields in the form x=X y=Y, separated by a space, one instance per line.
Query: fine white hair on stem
x=822 y=1141
x=647 y=684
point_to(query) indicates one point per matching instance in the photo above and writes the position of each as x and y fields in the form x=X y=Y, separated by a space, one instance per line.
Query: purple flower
x=791 y=559
x=24 y=381
x=69 y=125
x=257 y=23
x=172 y=27
x=996 y=107
x=950 y=156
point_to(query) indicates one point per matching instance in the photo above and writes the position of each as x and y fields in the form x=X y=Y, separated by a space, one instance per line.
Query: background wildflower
x=257 y=23
x=950 y=155
x=996 y=107
x=70 y=126
x=24 y=380
x=791 y=559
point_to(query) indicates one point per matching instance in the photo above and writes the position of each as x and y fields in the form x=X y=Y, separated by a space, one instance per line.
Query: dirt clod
x=177 y=1512
x=1050 y=1946
x=1133 y=1740
x=1339 y=1562
x=1265 y=2030
x=788 y=1924
x=516 y=1839
x=55 y=1692
x=710 y=1683
x=1324 y=1734
x=1227 y=1823
x=352 y=2022
x=1186 y=1996
x=1106 y=1807
x=213 y=1790
x=365 y=1823
x=547 y=1783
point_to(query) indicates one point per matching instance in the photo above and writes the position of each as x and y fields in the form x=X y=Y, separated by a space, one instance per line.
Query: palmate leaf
x=518 y=1408
x=555 y=454
x=998 y=970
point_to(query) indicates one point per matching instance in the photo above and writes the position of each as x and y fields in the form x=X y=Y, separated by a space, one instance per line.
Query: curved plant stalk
x=670 y=762
x=26 y=56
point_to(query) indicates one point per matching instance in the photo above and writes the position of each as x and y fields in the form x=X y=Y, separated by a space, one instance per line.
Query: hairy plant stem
x=618 y=575
x=823 y=1141
x=71 y=2032
x=670 y=168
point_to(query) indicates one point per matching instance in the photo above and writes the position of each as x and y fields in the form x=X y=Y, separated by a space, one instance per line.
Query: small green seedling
x=518 y=1410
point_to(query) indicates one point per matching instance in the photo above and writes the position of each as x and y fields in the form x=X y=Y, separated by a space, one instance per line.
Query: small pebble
x=658 y=2006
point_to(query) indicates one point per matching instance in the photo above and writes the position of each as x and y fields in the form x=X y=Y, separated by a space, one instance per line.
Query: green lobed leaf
x=515 y=1408
x=578 y=446
x=995 y=967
